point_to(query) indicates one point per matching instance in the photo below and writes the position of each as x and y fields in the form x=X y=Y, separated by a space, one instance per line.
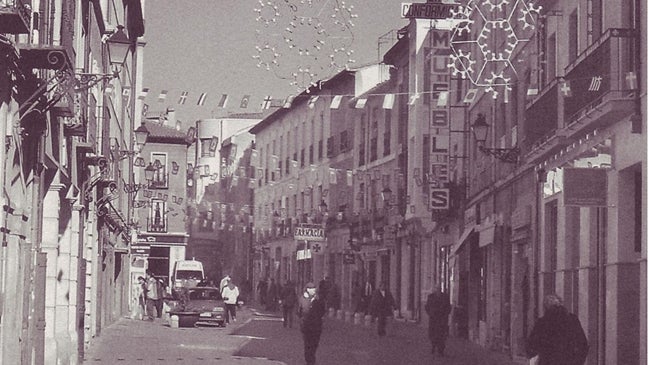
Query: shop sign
x=430 y=10
x=140 y=250
x=439 y=198
x=309 y=233
x=585 y=187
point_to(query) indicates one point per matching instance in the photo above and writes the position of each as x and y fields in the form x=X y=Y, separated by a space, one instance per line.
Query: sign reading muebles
x=309 y=233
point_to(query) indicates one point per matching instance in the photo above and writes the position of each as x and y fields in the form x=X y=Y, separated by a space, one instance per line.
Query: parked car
x=200 y=305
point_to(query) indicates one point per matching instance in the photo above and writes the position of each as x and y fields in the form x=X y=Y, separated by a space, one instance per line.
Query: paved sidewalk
x=131 y=341
x=345 y=343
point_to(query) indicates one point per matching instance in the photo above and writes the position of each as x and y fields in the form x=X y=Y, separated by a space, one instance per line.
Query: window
x=159 y=180
x=302 y=157
x=550 y=60
x=387 y=132
x=320 y=149
x=157 y=216
x=206 y=151
x=286 y=166
x=373 y=149
x=311 y=154
x=330 y=146
x=345 y=142
x=362 y=195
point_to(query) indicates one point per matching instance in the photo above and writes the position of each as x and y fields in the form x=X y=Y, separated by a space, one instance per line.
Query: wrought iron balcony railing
x=15 y=16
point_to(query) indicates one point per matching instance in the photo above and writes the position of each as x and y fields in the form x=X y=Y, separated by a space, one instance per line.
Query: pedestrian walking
x=153 y=297
x=311 y=310
x=382 y=305
x=557 y=338
x=139 y=289
x=288 y=300
x=262 y=288
x=230 y=295
x=366 y=296
x=272 y=296
x=438 y=309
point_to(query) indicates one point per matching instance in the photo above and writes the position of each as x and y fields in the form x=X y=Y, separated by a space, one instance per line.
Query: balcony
x=15 y=16
x=598 y=75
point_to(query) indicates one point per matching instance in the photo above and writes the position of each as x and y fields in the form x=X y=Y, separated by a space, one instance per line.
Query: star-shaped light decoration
x=304 y=40
x=475 y=56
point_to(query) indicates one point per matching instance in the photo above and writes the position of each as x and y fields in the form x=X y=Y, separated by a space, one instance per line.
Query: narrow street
x=259 y=338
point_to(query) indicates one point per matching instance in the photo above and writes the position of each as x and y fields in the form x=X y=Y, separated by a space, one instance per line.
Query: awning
x=486 y=235
x=463 y=237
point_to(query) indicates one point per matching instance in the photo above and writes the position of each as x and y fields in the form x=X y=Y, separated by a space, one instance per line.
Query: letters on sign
x=439 y=198
x=309 y=234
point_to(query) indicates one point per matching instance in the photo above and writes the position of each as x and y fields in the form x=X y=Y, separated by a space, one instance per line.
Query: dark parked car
x=200 y=305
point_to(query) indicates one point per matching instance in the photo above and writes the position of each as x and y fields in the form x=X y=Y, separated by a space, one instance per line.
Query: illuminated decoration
x=485 y=38
x=303 y=41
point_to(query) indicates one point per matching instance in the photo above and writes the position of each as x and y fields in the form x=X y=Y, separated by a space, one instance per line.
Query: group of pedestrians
x=149 y=292
x=556 y=338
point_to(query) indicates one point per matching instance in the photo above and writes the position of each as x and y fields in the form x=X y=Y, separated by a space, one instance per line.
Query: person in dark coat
x=262 y=287
x=366 y=295
x=438 y=309
x=557 y=338
x=311 y=309
x=382 y=305
x=289 y=299
x=272 y=296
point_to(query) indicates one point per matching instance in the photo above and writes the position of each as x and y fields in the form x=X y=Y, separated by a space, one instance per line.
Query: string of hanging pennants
x=201 y=99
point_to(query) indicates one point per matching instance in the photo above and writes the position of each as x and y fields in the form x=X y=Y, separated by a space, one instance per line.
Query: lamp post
x=118 y=46
x=480 y=130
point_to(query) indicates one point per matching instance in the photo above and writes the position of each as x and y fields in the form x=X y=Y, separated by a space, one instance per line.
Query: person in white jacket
x=230 y=293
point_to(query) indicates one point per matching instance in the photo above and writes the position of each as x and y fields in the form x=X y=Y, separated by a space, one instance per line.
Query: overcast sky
x=208 y=46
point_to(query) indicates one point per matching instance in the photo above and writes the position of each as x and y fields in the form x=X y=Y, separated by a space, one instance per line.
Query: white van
x=187 y=273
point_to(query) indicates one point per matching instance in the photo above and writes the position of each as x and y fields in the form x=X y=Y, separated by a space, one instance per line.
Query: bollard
x=357 y=318
x=331 y=313
x=367 y=320
x=347 y=316
x=174 y=321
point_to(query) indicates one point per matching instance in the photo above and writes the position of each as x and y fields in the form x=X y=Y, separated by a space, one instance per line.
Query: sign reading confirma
x=429 y=10
x=309 y=233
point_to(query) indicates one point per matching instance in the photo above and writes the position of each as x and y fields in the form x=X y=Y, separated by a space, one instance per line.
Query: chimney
x=171 y=118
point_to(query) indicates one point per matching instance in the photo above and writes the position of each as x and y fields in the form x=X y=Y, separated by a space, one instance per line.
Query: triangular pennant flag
x=565 y=89
x=631 y=80
x=288 y=101
x=162 y=96
x=443 y=98
x=266 y=103
x=126 y=92
x=361 y=103
x=222 y=101
x=312 y=101
x=336 y=101
x=183 y=97
x=413 y=98
x=145 y=108
x=201 y=100
x=143 y=93
x=389 y=100
x=470 y=96
x=244 y=101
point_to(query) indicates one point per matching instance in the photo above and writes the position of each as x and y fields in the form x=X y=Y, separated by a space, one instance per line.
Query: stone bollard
x=173 y=321
x=367 y=320
x=357 y=318
x=347 y=316
x=331 y=313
